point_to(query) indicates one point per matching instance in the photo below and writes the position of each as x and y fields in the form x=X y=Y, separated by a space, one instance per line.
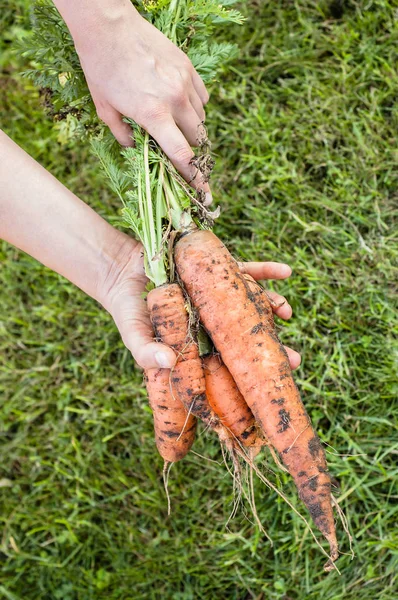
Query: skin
x=118 y=48
x=43 y=218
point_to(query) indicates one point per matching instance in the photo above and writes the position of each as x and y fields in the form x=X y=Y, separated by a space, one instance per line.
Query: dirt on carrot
x=171 y=323
x=174 y=430
x=239 y=320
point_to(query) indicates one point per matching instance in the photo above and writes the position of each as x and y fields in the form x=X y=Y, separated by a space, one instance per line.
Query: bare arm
x=40 y=216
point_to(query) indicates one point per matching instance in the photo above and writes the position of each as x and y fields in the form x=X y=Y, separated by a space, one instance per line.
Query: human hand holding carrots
x=122 y=294
x=65 y=234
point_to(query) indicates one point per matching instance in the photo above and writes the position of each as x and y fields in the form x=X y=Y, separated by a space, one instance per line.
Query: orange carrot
x=174 y=430
x=229 y=404
x=170 y=320
x=243 y=331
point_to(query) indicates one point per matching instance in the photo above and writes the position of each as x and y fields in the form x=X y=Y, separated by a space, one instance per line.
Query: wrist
x=90 y=21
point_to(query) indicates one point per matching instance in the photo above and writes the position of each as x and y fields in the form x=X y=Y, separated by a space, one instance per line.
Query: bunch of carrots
x=241 y=385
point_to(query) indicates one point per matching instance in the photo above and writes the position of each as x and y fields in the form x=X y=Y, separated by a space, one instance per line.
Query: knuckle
x=131 y=345
x=188 y=65
x=139 y=359
x=187 y=70
x=182 y=154
x=179 y=95
x=154 y=112
x=184 y=61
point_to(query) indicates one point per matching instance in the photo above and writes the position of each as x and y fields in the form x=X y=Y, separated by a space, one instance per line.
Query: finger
x=200 y=87
x=197 y=105
x=150 y=355
x=121 y=130
x=190 y=124
x=266 y=270
x=280 y=305
x=294 y=357
x=208 y=199
x=132 y=320
x=177 y=148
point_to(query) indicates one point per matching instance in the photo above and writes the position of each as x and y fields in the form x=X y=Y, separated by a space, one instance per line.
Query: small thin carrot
x=243 y=331
x=228 y=403
x=170 y=320
x=174 y=429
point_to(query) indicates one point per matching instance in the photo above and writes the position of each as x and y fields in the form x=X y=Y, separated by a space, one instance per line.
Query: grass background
x=304 y=127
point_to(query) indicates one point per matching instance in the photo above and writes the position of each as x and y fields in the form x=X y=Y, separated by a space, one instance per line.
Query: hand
x=122 y=294
x=133 y=70
x=66 y=235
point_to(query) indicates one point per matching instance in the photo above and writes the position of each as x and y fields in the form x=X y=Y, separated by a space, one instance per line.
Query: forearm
x=41 y=217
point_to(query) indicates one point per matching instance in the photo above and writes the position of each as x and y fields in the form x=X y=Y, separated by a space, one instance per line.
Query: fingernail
x=208 y=199
x=163 y=360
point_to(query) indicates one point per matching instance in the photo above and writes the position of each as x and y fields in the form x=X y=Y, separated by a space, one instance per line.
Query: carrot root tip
x=166 y=472
x=334 y=554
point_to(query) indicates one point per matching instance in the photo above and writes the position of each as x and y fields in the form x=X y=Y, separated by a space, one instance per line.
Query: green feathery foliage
x=189 y=23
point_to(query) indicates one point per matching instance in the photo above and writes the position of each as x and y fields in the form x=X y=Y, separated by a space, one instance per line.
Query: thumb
x=149 y=354
x=132 y=319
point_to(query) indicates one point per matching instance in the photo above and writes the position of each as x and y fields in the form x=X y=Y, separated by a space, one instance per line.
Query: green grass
x=304 y=126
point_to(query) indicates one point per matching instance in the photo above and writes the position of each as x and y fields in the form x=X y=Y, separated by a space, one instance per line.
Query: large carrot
x=243 y=331
x=228 y=403
x=170 y=320
x=174 y=430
